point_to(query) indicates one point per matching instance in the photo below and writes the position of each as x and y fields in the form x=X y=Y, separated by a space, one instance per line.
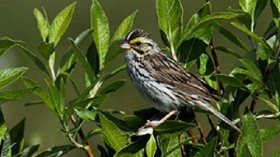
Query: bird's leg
x=162 y=120
x=150 y=124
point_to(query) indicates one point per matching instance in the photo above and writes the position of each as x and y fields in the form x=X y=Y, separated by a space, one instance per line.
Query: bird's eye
x=138 y=43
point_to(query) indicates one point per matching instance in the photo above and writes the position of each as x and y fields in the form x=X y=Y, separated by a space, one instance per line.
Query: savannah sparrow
x=162 y=81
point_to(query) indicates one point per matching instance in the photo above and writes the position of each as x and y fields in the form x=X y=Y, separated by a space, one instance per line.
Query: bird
x=163 y=81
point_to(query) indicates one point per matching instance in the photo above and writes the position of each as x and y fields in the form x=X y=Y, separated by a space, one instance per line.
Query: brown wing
x=170 y=72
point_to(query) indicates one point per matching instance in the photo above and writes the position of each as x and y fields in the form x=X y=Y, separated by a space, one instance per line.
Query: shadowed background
x=18 y=22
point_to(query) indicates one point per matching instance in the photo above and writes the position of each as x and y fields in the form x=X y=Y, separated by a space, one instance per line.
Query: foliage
x=255 y=78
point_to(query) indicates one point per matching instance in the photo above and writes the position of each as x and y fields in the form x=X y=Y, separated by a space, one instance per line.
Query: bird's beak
x=125 y=46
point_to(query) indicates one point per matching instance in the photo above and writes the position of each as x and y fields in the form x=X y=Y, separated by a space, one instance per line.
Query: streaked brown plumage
x=163 y=81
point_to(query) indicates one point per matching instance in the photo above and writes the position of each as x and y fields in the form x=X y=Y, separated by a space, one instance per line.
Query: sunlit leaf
x=115 y=137
x=86 y=114
x=250 y=129
x=10 y=75
x=269 y=133
x=151 y=147
x=170 y=20
x=101 y=31
x=60 y=23
x=119 y=34
x=15 y=94
x=42 y=23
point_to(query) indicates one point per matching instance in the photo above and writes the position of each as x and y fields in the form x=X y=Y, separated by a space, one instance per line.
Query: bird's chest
x=159 y=94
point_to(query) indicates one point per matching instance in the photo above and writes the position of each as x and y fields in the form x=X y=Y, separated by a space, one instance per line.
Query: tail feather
x=208 y=107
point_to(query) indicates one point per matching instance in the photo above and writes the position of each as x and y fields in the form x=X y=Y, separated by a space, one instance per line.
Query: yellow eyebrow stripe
x=140 y=39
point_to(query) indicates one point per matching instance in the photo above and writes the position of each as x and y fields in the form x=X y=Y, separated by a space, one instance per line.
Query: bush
x=255 y=78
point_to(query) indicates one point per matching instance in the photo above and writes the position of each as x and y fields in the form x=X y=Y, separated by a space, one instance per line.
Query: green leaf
x=229 y=80
x=113 y=87
x=38 y=90
x=46 y=49
x=29 y=151
x=114 y=72
x=202 y=23
x=209 y=149
x=251 y=34
x=228 y=51
x=10 y=75
x=170 y=147
x=56 y=151
x=6 y=44
x=118 y=36
x=252 y=68
x=170 y=20
x=3 y=126
x=86 y=114
x=69 y=59
x=16 y=135
x=112 y=134
x=260 y=7
x=15 y=94
x=6 y=150
x=250 y=129
x=269 y=103
x=269 y=133
x=172 y=128
x=93 y=60
x=190 y=50
x=135 y=149
x=57 y=99
x=34 y=58
x=82 y=59
x=101 y=31
x=151 y=147
x=124 y=27
x=248 y=6
x=60 y=23
x=263 y=52
x=42 y=23
x=195 y=19
x=226 y=33
x=277 y=4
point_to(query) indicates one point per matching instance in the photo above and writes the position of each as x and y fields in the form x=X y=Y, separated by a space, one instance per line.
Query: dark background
x=17 y=21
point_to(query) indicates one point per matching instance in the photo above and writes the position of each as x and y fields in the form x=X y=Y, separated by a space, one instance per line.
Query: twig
x=194 y=140
x=86 y=146
x=202 y=136
x=217 y=66
x=212 y=125
x=183 y=151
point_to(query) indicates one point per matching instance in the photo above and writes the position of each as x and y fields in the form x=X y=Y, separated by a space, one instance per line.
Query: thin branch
x=183 y=151
x=217 y=66
x=202 y=136
x=81 y=134
x=190 y=133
